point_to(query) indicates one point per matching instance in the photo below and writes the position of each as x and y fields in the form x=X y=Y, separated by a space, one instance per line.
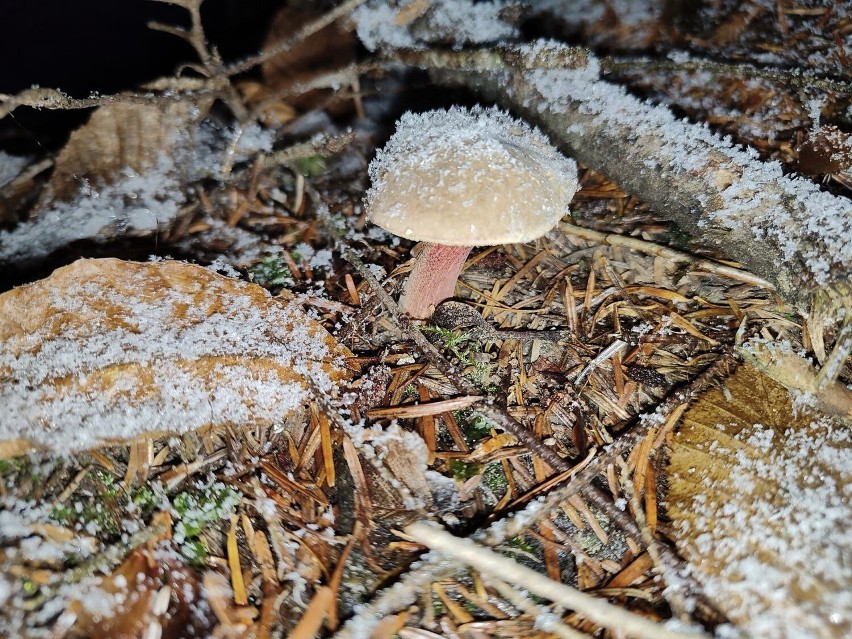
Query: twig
x=324 y=146
x=106 y=560
x=673 y=595
x=793 y=78
x=592 y=608
x=649 y=248
x=306 y=31
x=545 y=620
x=55 y=99
x=194 y=36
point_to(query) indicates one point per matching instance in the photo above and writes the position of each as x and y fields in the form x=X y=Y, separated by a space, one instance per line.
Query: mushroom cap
x=469 y=178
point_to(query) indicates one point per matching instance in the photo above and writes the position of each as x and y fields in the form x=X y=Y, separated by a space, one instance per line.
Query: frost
x=461 y=177
x=806 y=225
x=791 y=542
x=10 y=167
x=221 y=265
x=318 y=260
x=460 y=21
x=135 y=203
x=255 y=138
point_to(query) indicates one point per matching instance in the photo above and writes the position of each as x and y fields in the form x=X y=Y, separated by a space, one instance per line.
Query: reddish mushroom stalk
x=433 y=278
x=461 y=178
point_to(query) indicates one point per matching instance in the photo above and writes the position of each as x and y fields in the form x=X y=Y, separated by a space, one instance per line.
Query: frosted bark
x=784 y=229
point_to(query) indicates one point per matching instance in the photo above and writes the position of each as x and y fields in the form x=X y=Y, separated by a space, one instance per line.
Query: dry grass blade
x=423 y=409
x=311 y=622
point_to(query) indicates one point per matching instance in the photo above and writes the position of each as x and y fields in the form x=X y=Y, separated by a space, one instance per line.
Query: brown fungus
x=461 y=178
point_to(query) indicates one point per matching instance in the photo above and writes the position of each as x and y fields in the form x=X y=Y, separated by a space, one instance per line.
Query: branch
x=489 y=562
x=784 y=229
x=793 y=78
x=55 y=99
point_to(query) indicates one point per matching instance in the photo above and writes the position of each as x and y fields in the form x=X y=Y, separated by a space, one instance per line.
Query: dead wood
x=722 y=195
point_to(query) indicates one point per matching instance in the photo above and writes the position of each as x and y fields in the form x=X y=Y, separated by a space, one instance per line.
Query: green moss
x=12 y=466
x=195 y=551
x=521 y=543
x=271 y=272
x=145 y=499
x=495 y=478
x=462 y=470
x=62 y=514
x=311 y=166
x=474 y=426
x=197 y=509
x=110 y=489
x=465 y=348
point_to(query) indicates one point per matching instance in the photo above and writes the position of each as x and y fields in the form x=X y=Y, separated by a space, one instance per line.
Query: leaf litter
x=642 y=324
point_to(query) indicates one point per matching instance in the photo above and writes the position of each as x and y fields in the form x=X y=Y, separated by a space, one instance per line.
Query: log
x=783 y=228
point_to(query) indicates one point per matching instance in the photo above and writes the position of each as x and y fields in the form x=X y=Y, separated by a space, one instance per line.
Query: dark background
x=81 y=46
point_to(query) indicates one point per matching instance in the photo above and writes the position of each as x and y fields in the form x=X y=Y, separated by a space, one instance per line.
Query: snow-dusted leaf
x=121 y=174
x=328 y=49
x=144 y=591
x=117 y=140
x=760 y=503
x=106 y=350
x=827 y=149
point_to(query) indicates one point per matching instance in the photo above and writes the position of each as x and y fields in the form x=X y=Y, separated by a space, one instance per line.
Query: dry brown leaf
x=118 y=138
x=760 y=503
x=328 y=49
x=144 y=595
x=106 y=350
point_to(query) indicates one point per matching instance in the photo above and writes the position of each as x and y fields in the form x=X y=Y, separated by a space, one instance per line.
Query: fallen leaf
x=143 y=594
x=759 y=498
x=118 y=138
x=105 y=351
x=123 y=174
x=329 y=49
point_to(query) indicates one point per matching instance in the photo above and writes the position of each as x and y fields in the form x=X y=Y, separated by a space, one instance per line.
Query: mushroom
x=461 y=178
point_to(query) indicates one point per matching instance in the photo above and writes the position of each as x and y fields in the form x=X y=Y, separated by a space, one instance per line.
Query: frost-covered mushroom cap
x=467 y=178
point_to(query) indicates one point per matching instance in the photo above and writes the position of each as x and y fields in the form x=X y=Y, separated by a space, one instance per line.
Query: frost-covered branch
x=783 y=228
x=682 y=63
x=54 y=99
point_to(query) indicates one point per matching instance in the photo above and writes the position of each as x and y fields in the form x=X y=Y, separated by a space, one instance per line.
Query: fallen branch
x=592 y=608
x=784 y=229
x=787 y=77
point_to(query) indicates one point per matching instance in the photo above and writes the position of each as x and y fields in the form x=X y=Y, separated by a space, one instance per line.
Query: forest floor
x=599 y=418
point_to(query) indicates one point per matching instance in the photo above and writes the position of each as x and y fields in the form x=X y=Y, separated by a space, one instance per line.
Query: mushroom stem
x=433 y=278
